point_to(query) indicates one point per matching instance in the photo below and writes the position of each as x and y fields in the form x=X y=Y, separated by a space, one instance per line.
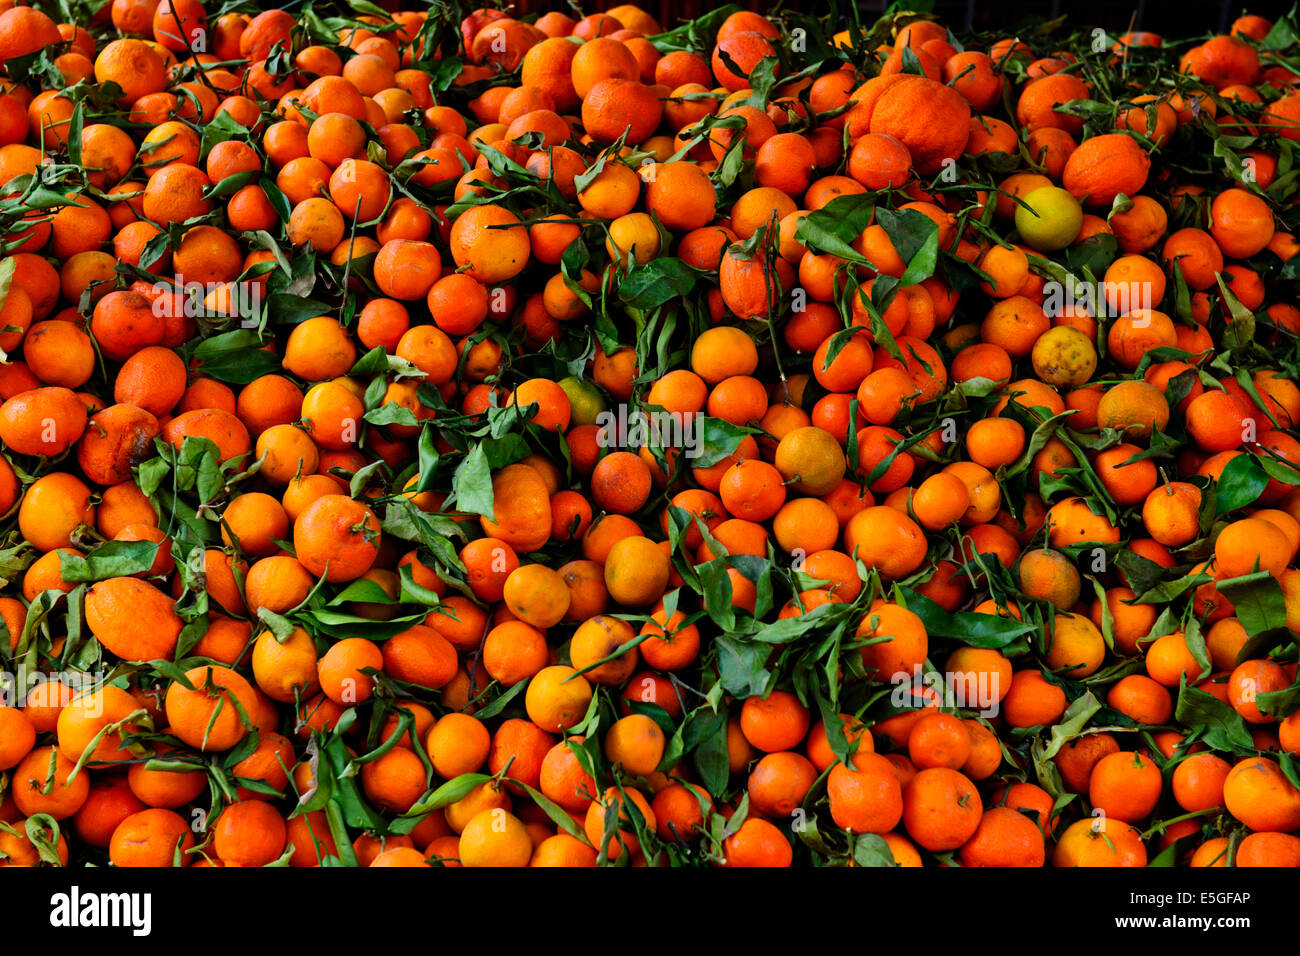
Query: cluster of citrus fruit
x=441 y=438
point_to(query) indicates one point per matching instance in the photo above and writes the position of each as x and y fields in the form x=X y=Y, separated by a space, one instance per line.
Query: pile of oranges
x=441 y=438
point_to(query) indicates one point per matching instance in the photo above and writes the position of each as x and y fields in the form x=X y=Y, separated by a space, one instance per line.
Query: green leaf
x=7 y=267
x=347 y=792
x=733 y=163
x=974 y=630
x=279 y=201
x=784 y=631
x=498 y=705
x=230 y=185
x=236 y=357
x=220 y=128
x=113 y=559
x=1280 y=703
x=1223 y=728
x=1290 y=769
x=557 y=813
x=916 y=239
x=285 y=308
x=1142 y=574
x=741 y=666
x=1242 y=481
x=1195 y=642
x=1258 y=600
x=1279 y=469
x=277 y=624
x=391 y=413
x=715 y=584
x=1071 y=724
x=76 y=126
x=445 y=795
x=712 y=760
x=834 y=227
x=472 y=483
x=403 y=520
x=374 y=362
x=1162 y=592
x=713 y=439
x=870 y=849
x=369 y=9
x=762 y=80
x=657 y=282
x=198 y=468
x=1240 y=331
x=1283 y=35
